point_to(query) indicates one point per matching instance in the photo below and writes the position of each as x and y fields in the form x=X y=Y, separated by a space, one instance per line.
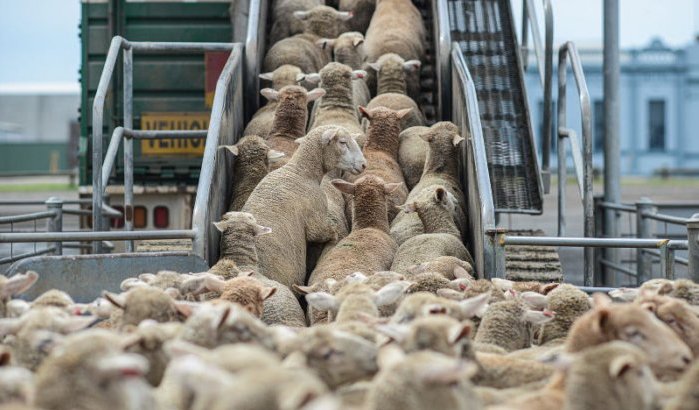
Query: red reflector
x=118 y=223
x=140 y=217
x=161 y=217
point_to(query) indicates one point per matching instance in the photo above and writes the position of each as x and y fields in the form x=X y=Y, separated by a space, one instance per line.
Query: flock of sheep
x=357 y=231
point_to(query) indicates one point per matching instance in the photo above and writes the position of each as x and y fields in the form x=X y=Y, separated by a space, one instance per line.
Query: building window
x=656 y=125
x=554 y=134
x=598 y=132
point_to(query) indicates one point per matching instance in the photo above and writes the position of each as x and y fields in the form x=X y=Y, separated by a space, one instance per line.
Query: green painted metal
x=162 y=82
x=34 y=156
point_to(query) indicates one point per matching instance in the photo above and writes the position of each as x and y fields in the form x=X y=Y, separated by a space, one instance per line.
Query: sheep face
x=341 y=151
x=677 y=314
x=631 y=323
x=143 y=303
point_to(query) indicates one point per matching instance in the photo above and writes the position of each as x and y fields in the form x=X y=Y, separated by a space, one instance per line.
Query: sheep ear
x=232 y=148
x=364 y=112
x=18 y=284
x=402 y=113
x=358 y=74
x=147 y=277
x=329 y=135
x=620 y=365
x=649 y=306
x=325 y=42
x=130 y=283
x=323 y=301
x=391 y=187
x=245 y=273
x=75 y=323
x=125 y=364
x=394 y=331
x=5 y=359
x=343 y=186
x=301 y=14
x=536 y=317
x=356 y=277
x=411 y=65
x=185 y=308
x=390 y=293
x=357 y=41
x=601 y=300
x=315 y=94
x=408 y=208
x=344 y=15
x=118 y=301
x=224 y=317
x=503 y=284
x=173 y=293
x=534 y=300
x=300 y=140
x=450 y=294
x=274 y=155
x=270 y=94
x=457 y=140
x=427 y=137
x=601 y=320
x=220 y=225
x=266 y=76
x=214 y=283
x=267 y=292
x=10 y=326
x=475 y=306
x=262 y=230
x=462 y=273
x=302 y=290
x=375 y=66
x=460 y=331
x=440 y=196
x=545 y=289
x=312 y=78
x=300 y=77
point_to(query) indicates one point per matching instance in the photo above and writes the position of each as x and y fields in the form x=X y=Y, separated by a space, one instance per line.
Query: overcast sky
x=39 y=38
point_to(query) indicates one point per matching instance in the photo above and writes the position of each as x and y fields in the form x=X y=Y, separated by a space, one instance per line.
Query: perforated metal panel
x=484 y=29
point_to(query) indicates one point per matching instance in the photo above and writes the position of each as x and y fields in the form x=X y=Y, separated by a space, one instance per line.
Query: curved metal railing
x=254 y=54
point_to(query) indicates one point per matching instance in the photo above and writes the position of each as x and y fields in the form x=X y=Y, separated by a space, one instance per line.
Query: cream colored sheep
x=399 y=102
x=508 y=324
x=392 y=73
x=676 y=313
x=284 y=22
x=336 y=107
x=261 y=122
x=14 y=286
x=412 y=154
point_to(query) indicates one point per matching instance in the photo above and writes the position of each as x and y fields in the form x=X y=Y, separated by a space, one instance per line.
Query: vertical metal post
x=562 y=176
x=548 y=98
x=55 y=224
x=667 y=262
x=600 y=276
x=693 y=239
x=498 y=237
x=128 y=144
x=612 y=158
x=644 y=229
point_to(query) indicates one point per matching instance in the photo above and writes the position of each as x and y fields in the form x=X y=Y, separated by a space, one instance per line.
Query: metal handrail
x=121 y=44
x=225 y=127
x=442 y=34
x=675 y=220
x=254 y=54
x=582 y=155
x=544 y=60
x=481 y=208
x=34 y=216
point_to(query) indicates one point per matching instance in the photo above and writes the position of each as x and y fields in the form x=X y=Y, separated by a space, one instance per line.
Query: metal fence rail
x=582 y=154
x=480 y=205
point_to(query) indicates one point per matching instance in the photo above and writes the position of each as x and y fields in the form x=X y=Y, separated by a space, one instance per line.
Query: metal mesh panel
x=485 y=33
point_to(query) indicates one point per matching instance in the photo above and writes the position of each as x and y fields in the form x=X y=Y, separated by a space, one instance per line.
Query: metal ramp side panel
x=485 y=32
x=84 y=277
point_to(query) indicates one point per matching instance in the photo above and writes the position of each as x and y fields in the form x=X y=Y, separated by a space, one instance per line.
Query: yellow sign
x=174 y=121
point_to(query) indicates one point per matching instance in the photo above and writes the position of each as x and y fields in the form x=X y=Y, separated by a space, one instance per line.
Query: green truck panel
x=162 y=82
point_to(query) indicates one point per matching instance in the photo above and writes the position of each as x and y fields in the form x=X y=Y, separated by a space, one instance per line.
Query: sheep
x=399 y=102
x=448 y=266
x=300 y=50
x=422 y=304
x=441 y=237
x=422 y=380
x=676 y=313
x=526 y=286
x=149 y=340
x=247 y=292
x=253 y=157
x=31 y=336
x=169 y=281
x=609 y=321
x=261 y=122
x=142 y=303
x=569 y=303
x=368 y=247
x=685 y=396
x=285 y=23
x=338 y=357
x=16 y=385
x=508 y=324
x=239 y=232
x=392 y=72
x=289 y=119
x=261 y=389
x=397 y=27
x=294 y=191
x=440 y=333
x=336 y=106
x=355 y=301
x=441 y=169
x=503 y=372
x=90 y=371
x=381 y=151
x=14 y=286
x=682 y=289
x=412 y=154
x=362 y=11
x=232 y=358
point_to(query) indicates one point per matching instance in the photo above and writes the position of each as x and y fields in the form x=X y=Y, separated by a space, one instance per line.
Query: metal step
x=484 y=29
x=539 y=263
